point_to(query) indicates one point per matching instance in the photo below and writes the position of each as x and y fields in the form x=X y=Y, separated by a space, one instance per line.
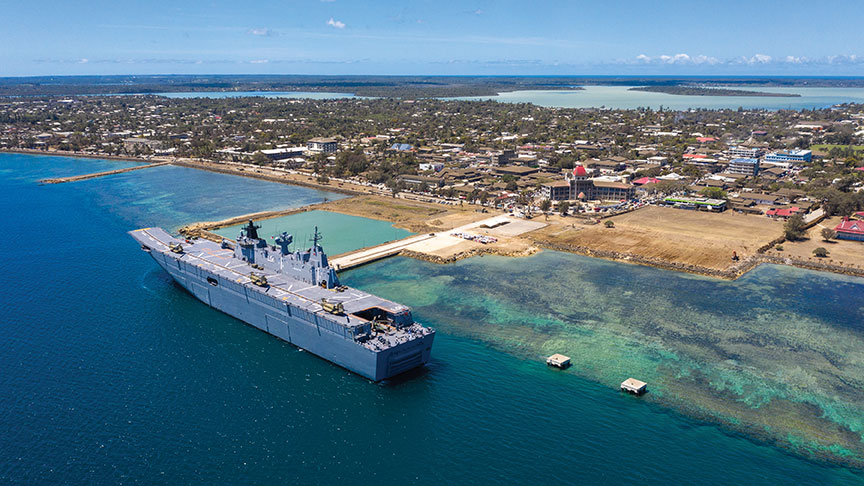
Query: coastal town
x=694 y=190
x=782 y=185
x=432 y=243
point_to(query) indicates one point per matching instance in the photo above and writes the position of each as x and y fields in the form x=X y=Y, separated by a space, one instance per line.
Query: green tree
x=609 y=223
x=545 y=205
x=563 y=207
x=820 y=252
x=351 y=162
x=260 y=159
x=713 y=193
x=828 y=234
x=794 y=228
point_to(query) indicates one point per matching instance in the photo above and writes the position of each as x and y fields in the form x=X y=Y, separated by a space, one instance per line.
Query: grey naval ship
x=295 y=296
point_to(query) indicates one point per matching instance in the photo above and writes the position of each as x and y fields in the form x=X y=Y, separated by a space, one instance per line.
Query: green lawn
x=825 y=147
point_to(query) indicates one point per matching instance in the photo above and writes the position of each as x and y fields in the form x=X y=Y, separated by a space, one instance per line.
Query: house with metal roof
x=850 y=229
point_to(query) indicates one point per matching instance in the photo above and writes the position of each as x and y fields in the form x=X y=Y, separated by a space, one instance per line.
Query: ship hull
x=277 y=319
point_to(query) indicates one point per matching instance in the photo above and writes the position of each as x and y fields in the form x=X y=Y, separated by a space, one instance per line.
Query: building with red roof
x=784 y=213
x=646 y=180
x=577 y=185
x=580 y=171
x=849 y=229
x=694 y=156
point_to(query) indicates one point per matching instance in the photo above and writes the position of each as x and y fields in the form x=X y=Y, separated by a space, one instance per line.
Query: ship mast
x=316 y=237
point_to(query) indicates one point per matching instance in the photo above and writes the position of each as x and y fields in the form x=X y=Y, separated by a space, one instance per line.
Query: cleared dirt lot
x=673 y=235
x=840 y=252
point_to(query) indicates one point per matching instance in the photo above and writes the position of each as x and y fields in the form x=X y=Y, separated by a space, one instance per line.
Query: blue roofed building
x=790 y=156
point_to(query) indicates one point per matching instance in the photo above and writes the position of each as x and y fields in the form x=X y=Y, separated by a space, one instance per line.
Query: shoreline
x=202 y=228
x=271 y=177
x=212 y=166
x=82 y=155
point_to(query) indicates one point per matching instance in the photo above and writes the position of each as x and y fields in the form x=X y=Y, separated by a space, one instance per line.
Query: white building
x=746 y=152
x=325 y=145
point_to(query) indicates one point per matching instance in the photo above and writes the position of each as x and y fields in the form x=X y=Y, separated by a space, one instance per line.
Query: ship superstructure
x=295 y=296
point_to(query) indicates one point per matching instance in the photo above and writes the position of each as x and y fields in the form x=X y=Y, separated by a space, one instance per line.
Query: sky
x=504 y=37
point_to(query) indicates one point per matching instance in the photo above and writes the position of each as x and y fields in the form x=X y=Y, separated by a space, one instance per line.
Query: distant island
x=704 y=91
x=414 y=87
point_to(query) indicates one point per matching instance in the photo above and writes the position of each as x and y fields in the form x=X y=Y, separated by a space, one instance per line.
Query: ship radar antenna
x=252 y=230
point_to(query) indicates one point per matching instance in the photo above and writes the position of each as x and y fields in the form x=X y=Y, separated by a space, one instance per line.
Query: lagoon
x=621 y=97
x=342 y=233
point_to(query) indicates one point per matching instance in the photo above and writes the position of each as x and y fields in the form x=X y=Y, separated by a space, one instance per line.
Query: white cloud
x=335 y=23
x=259 y=61
x=759 y=59
x=702 y=59
x=83 y=60
x=844 y=59
x=262 y=32
x=676 y=59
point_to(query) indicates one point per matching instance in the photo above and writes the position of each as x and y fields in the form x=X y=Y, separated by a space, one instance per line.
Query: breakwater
x=61 y=180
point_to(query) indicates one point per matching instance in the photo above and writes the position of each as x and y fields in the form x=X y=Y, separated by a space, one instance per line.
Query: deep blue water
x=110 y=373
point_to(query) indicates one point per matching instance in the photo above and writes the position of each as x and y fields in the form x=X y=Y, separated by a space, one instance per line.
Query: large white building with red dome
x=577 y=185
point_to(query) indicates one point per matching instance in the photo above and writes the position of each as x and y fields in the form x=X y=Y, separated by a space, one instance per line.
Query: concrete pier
x=60 y=180
x=444 y=244
x=368 y=255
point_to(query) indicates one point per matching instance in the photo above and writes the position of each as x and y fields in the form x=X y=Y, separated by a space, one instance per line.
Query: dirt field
x=840 y=252
x=417 y=217
x=674 y=235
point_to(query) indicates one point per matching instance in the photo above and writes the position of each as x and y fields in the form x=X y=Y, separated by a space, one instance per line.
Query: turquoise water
x=777 y=354
x=113 y=374
x=342 y=233
x=305 y=95
x=620 y=97
x=181 y=195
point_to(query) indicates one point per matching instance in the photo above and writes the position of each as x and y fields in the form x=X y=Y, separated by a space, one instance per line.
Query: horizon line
x=589 y=76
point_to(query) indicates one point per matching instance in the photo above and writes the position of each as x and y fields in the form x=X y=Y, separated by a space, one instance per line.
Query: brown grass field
x=673 y=235
x=840 y=252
